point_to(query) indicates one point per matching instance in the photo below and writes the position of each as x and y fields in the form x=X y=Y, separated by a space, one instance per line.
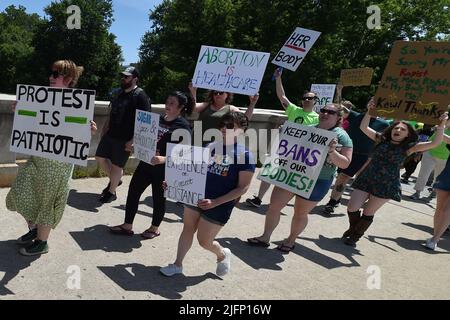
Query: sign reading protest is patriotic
x=356 y=77
x=230 y=70
x=186 y=170
x=145 y=135
x=296 y=48
x=325 y=94
x=297 y=158
x=53 y=123
x=416 y=82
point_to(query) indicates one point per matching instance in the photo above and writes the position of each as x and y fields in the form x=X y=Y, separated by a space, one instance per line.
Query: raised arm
x=251 y=106
x=199 y=106
x=364 y=126
x=338 y=97
x=280 y=90
x=424 y=146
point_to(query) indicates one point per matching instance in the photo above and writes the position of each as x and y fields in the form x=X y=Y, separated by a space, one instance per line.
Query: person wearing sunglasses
x=217 y=104
x=379 y=180
x=339 y=155
x=114 y=148
x=43 y=210
x=230 y=172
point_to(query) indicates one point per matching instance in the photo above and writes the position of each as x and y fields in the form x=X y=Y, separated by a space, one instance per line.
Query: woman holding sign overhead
x=178 y=104
x=229 y=175
x=379 y=181
x=330 y=118
x=41 y=188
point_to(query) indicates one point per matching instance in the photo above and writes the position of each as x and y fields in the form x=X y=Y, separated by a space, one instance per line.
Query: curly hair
x=412 y=137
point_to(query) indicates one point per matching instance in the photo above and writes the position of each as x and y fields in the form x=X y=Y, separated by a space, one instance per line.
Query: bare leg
x=190 y=223
x=299 y=222
x=105 y=165
x=442 y=216
x=263 y=187
x=206 y=234
x=115 y=176
x=43 y=232
x=357 y=200
x=339 y=186
x=373 y=205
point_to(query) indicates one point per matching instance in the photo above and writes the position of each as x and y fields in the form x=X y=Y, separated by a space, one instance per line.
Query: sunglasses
x=218 y=93
x=55 y=74
x=308 y=98
x=228 y=125
x=323 y=110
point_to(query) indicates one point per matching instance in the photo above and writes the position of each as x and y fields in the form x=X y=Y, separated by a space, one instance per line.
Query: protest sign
x=145 y=135
x=230 y=70
x=297 y=158
x=325 y=94
x=53 y=123
x=416 y=82
x=296 y=48
x=356 y=77
x=186 y=170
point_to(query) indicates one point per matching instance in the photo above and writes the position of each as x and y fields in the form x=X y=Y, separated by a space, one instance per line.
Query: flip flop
x=120 y=230
x=148 y=234
x=257 y=243
x=285 y=248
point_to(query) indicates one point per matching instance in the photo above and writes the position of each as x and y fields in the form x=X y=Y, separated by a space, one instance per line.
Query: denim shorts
x=443 y=180
x=320 y=190
x=218 y=215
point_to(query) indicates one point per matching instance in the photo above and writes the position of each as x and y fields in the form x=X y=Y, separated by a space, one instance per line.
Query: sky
x=131 y=21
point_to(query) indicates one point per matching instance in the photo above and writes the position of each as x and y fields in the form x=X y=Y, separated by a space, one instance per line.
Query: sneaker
x=433 y=194
x=430 y=244
x=331 y=205
x=171 y=270
x=107 y=187
x=107 y=197
x=28 y=237
x=255 y=202
x=37 y=247
x=415 y=196
x=224 y=266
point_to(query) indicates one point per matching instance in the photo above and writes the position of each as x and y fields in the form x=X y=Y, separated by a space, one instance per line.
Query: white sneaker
x=171 y=270
x=224 y=266
x=430 y=244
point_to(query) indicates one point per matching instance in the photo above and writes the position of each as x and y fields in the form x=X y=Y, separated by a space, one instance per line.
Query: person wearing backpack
x=114 y=148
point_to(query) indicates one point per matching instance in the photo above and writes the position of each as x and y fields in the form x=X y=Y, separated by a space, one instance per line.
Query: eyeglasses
x=218 y=93
x=323 y=110
x=308 y=98
x=55 y=74
x=228 y=125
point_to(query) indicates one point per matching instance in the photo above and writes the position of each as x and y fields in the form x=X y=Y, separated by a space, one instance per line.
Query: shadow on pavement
x=99 y=237
x=11 y=263
x=171 y=207
x=412 y=245
x=137 y=277
x=84 y=201
x=255 y=257
x=320 y=210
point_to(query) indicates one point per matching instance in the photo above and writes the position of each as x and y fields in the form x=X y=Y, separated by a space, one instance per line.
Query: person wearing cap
x=117 y=135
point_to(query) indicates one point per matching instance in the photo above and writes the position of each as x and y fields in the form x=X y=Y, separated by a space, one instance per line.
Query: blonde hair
x=69 y=69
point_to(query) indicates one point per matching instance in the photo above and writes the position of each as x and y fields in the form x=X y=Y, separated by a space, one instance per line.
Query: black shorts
x=218 y=215
x=114 y=150
x=358 y=160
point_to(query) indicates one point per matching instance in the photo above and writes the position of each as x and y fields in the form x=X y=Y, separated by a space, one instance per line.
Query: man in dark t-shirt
x=117 y=135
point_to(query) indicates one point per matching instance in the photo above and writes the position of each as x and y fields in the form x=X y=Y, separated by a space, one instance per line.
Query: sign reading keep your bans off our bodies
x=53 y=123
x=416 y=82
x=230 y=70
x=299 y=156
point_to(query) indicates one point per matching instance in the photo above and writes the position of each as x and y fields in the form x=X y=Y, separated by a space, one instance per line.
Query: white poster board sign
x=53 y=123
x=325 y=94
x=296 y=48
x=297 y=158
x=186 y=170
x=145 y=135
x=230 y=70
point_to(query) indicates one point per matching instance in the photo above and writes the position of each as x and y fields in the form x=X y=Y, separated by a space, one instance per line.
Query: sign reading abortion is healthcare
x=230 y=70
x=297 y=159
x=53 y=123
x=145 y=139
x=296 y=48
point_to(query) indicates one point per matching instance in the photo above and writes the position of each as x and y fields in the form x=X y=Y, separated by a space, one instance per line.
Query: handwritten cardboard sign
x=230 y=70
x=53 y=123
x=416 y=82
x=186 y=170
x=297 y=158
x=296 y=48
x=145 y=135
x=356 y=77
x=325 y=94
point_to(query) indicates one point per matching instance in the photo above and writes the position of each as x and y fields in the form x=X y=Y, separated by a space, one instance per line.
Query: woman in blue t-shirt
x=229 y=175
x=330 y=118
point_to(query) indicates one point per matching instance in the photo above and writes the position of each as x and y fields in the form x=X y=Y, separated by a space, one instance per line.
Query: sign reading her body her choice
x=53 y=123
x=325 y=94
x=356 y=77
x=297 y=159
x=186 y=170
x=230 y=70
x=296 y=48
x=416 y=82
x=145 y=135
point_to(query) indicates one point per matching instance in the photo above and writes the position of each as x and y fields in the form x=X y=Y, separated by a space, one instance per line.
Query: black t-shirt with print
x=166 y=128
x=123 y=113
